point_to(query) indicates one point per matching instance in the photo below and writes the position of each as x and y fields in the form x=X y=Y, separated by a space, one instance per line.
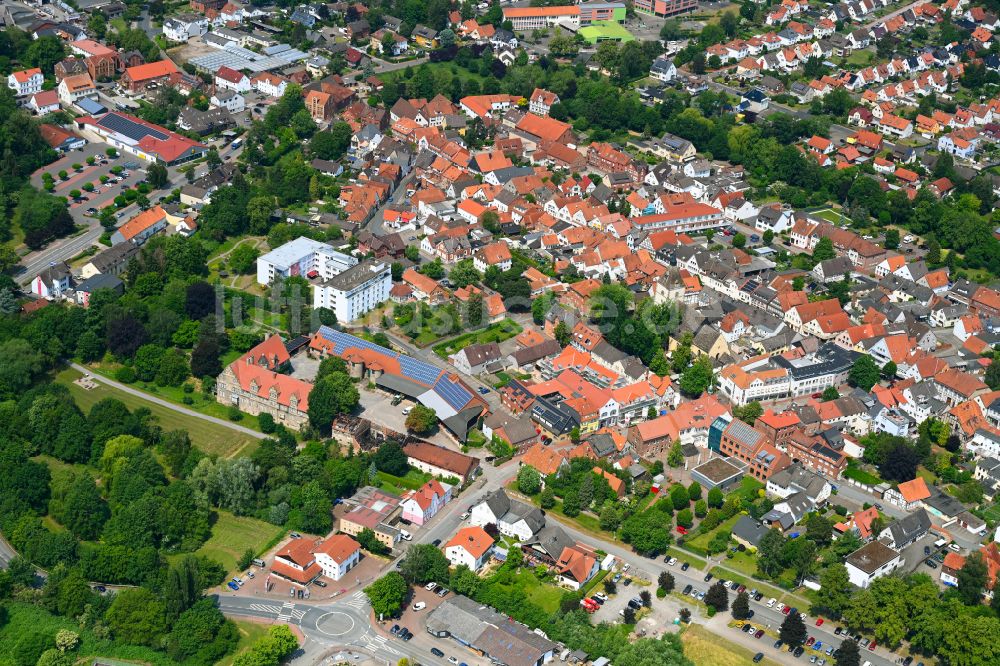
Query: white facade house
x=26 y=81
x=184 y=27
x=269 y=84
x=356 y=291
x=228 y=99
x=512 y=518
x=74 y=88
x=229 y=79
x=470 y=546
x=871 y=561
x=337 y=555
x=302 y=256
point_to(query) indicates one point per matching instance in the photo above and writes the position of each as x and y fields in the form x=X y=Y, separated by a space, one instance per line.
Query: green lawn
x=861 y=476
x=232 y=535
x=828 y=214
x=400 y=484
x=249 y=633
x=209 y=437
x=26 y=619
x=545 y=595
x=498 y=332
x=700 y=542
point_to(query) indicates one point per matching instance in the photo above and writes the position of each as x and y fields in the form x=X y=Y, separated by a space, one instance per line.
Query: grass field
x=701 y=541
x=544 y=595
x=232 y=535
x=400 y=484
x=249 y=633
x=497 y=332
x=707 y=649
x=861 y=476
x=209 y=437
x=992 y=513
x=828 y=214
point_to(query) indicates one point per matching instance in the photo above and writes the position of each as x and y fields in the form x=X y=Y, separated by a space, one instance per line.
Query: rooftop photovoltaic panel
x=453 y=393
x=424 y=373
x=130 y=128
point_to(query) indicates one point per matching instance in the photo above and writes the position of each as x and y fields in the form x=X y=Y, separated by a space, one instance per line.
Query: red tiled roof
x=474 y=540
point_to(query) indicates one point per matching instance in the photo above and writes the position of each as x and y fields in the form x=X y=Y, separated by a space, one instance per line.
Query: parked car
x=436 y=542
x=295 y=535
x=430 y=587
x=443 y=591
x=687 y=590
x=785 y=610
x=810 y=641
x=708 y=577
x=681 y=529
x=436 y=652
x=872 y=646
x=617 y=577
x=771 y=602
x=757 y=657
x=778 y=643
x=684 y=567
x=394 y=630
x=798 y=652
x=760 y=632
x=419 y=606
x=233 y=586
x=672 y=561
x=758 y=596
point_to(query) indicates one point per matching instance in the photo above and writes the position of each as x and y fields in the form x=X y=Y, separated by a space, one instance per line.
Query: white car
x=771 y=602
x=907 y=238
x=672 y=562
x=406 y=410
x=430 y=587
x=419 y=606
x=465 y=515
x=405 y=535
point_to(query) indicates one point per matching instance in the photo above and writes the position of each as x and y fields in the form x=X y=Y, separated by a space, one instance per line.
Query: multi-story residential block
x=871 y=561
x=304 y=257
x=26 y=81
x=356 y=291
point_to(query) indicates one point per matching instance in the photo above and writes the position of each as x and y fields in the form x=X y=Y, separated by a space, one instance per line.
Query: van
x=257 y=562
x=406 y=535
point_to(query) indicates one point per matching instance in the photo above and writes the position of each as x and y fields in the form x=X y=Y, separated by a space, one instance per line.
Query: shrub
x=234 y=413
x=266 y=423
x=125 y=374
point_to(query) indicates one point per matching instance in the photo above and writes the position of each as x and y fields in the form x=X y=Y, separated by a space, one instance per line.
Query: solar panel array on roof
x=453 y=393
x=425 y=373
x=130 y=128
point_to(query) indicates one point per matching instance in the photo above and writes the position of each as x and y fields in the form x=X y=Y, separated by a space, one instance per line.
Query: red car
x=785 y=609
x=819 y=622
x=810 y=641
x=681 y=529
x=872 y=646
x=760 y=632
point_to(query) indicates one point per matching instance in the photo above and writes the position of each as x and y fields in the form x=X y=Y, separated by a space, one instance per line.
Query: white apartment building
x=337 y=555
x=871 y=561
x=356 y=291
x=184 y=27
x=74 y=88
x=302 y=256
x=26 y=82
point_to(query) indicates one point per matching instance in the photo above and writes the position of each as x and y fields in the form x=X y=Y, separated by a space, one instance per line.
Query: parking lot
x=103 y=193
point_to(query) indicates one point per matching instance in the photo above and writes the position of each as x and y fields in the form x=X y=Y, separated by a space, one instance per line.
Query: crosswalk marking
x=265 y=608
x=287 y=609
x=377 y=642
x=358 y=600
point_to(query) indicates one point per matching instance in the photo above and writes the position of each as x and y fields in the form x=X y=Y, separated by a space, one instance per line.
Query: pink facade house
x=422 y=504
